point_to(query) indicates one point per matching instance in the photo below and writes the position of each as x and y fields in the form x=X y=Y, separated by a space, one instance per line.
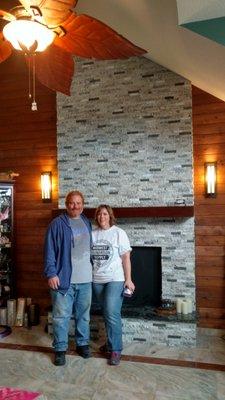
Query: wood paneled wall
x=209 y=145
x=28 y=146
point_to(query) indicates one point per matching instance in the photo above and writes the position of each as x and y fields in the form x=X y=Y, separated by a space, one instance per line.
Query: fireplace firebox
x=147 y=277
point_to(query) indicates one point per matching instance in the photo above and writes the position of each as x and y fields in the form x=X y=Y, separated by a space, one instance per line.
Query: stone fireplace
x=125 y=138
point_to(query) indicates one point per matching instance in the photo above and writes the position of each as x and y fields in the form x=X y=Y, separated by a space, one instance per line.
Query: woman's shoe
x=115 y=358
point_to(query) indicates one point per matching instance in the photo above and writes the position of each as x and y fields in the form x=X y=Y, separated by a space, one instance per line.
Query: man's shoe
x=83 y=351
x=115 y=358
x=60 y=358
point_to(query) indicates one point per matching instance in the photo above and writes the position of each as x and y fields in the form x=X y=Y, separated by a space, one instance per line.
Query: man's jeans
x=110 y=296
x=77 y=302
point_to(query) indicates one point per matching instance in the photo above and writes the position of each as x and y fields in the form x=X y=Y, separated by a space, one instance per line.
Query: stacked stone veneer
x=141 y=331
x=125 y=138
x=125 y=134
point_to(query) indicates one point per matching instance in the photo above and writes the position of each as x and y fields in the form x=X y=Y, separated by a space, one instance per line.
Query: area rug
x=7 y=393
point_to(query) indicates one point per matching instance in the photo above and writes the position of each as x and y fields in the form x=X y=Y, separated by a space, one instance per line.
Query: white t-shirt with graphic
x=108 y=247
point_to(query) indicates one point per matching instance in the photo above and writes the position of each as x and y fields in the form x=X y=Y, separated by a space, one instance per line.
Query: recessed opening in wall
x=147 y=277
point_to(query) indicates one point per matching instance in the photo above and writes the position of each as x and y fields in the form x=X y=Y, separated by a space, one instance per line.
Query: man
x=69 y=272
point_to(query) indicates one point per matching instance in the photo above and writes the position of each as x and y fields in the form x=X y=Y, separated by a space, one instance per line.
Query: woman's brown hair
x=112 y=219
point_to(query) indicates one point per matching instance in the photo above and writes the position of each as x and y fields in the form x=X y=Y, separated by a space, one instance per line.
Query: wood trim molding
x=141 y=212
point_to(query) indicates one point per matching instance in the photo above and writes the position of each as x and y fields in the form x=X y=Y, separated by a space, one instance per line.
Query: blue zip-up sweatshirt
x=57 y=250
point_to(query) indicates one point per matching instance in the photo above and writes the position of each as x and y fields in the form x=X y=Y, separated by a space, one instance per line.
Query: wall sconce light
x=46 y=187
x=210 y=179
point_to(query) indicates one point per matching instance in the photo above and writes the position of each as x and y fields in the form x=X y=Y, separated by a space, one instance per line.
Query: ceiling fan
x=49 y=32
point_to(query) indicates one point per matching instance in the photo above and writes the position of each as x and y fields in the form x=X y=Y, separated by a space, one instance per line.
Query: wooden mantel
x=141 y=212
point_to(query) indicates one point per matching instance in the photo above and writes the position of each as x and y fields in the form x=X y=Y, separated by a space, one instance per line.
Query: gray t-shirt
x=80 y=253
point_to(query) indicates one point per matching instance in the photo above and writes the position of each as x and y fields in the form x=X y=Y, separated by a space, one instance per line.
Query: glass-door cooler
x=7 y=272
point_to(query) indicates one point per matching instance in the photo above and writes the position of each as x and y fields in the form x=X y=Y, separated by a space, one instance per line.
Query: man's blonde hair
x=74 y=193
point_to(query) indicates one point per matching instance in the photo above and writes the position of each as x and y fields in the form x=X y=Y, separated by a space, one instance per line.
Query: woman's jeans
x=77 y=302
x=110 y=296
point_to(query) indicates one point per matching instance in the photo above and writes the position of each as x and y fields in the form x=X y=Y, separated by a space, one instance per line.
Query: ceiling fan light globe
x=27 y=32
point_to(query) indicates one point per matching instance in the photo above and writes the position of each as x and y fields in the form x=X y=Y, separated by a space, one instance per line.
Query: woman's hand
x=53 y=283
x=127 y=271
x=129 y=284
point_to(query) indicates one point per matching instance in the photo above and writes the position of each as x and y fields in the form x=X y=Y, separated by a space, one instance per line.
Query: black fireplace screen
x=147 y=277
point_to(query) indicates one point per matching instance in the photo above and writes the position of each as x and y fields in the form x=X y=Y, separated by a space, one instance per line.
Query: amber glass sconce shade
x=210 y=179
x=46 y=187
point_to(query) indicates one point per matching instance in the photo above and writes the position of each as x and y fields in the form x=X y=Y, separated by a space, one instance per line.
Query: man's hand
x=53 y=283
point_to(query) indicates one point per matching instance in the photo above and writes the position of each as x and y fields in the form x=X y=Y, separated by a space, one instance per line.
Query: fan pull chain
x=29 y=78
x=34 y=104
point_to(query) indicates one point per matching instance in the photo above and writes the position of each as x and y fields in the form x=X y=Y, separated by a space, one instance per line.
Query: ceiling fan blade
x=54 y=12
x=5 y=49
x=6 y=15
x=87 y=37
x=55 y=69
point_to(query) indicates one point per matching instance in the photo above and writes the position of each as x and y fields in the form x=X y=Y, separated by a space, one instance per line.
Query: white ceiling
x=198 y=10
x=153 y=25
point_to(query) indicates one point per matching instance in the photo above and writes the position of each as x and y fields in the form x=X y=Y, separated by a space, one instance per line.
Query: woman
x=112 y=273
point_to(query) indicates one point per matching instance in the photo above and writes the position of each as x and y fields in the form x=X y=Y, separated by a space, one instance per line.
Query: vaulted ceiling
x=153 y=25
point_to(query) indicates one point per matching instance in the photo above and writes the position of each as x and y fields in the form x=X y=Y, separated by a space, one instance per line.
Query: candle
x=178 y=305
x=189 y=303
x=184 y=307
x=3 y=316
x=20 y=311
x=11 y=312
